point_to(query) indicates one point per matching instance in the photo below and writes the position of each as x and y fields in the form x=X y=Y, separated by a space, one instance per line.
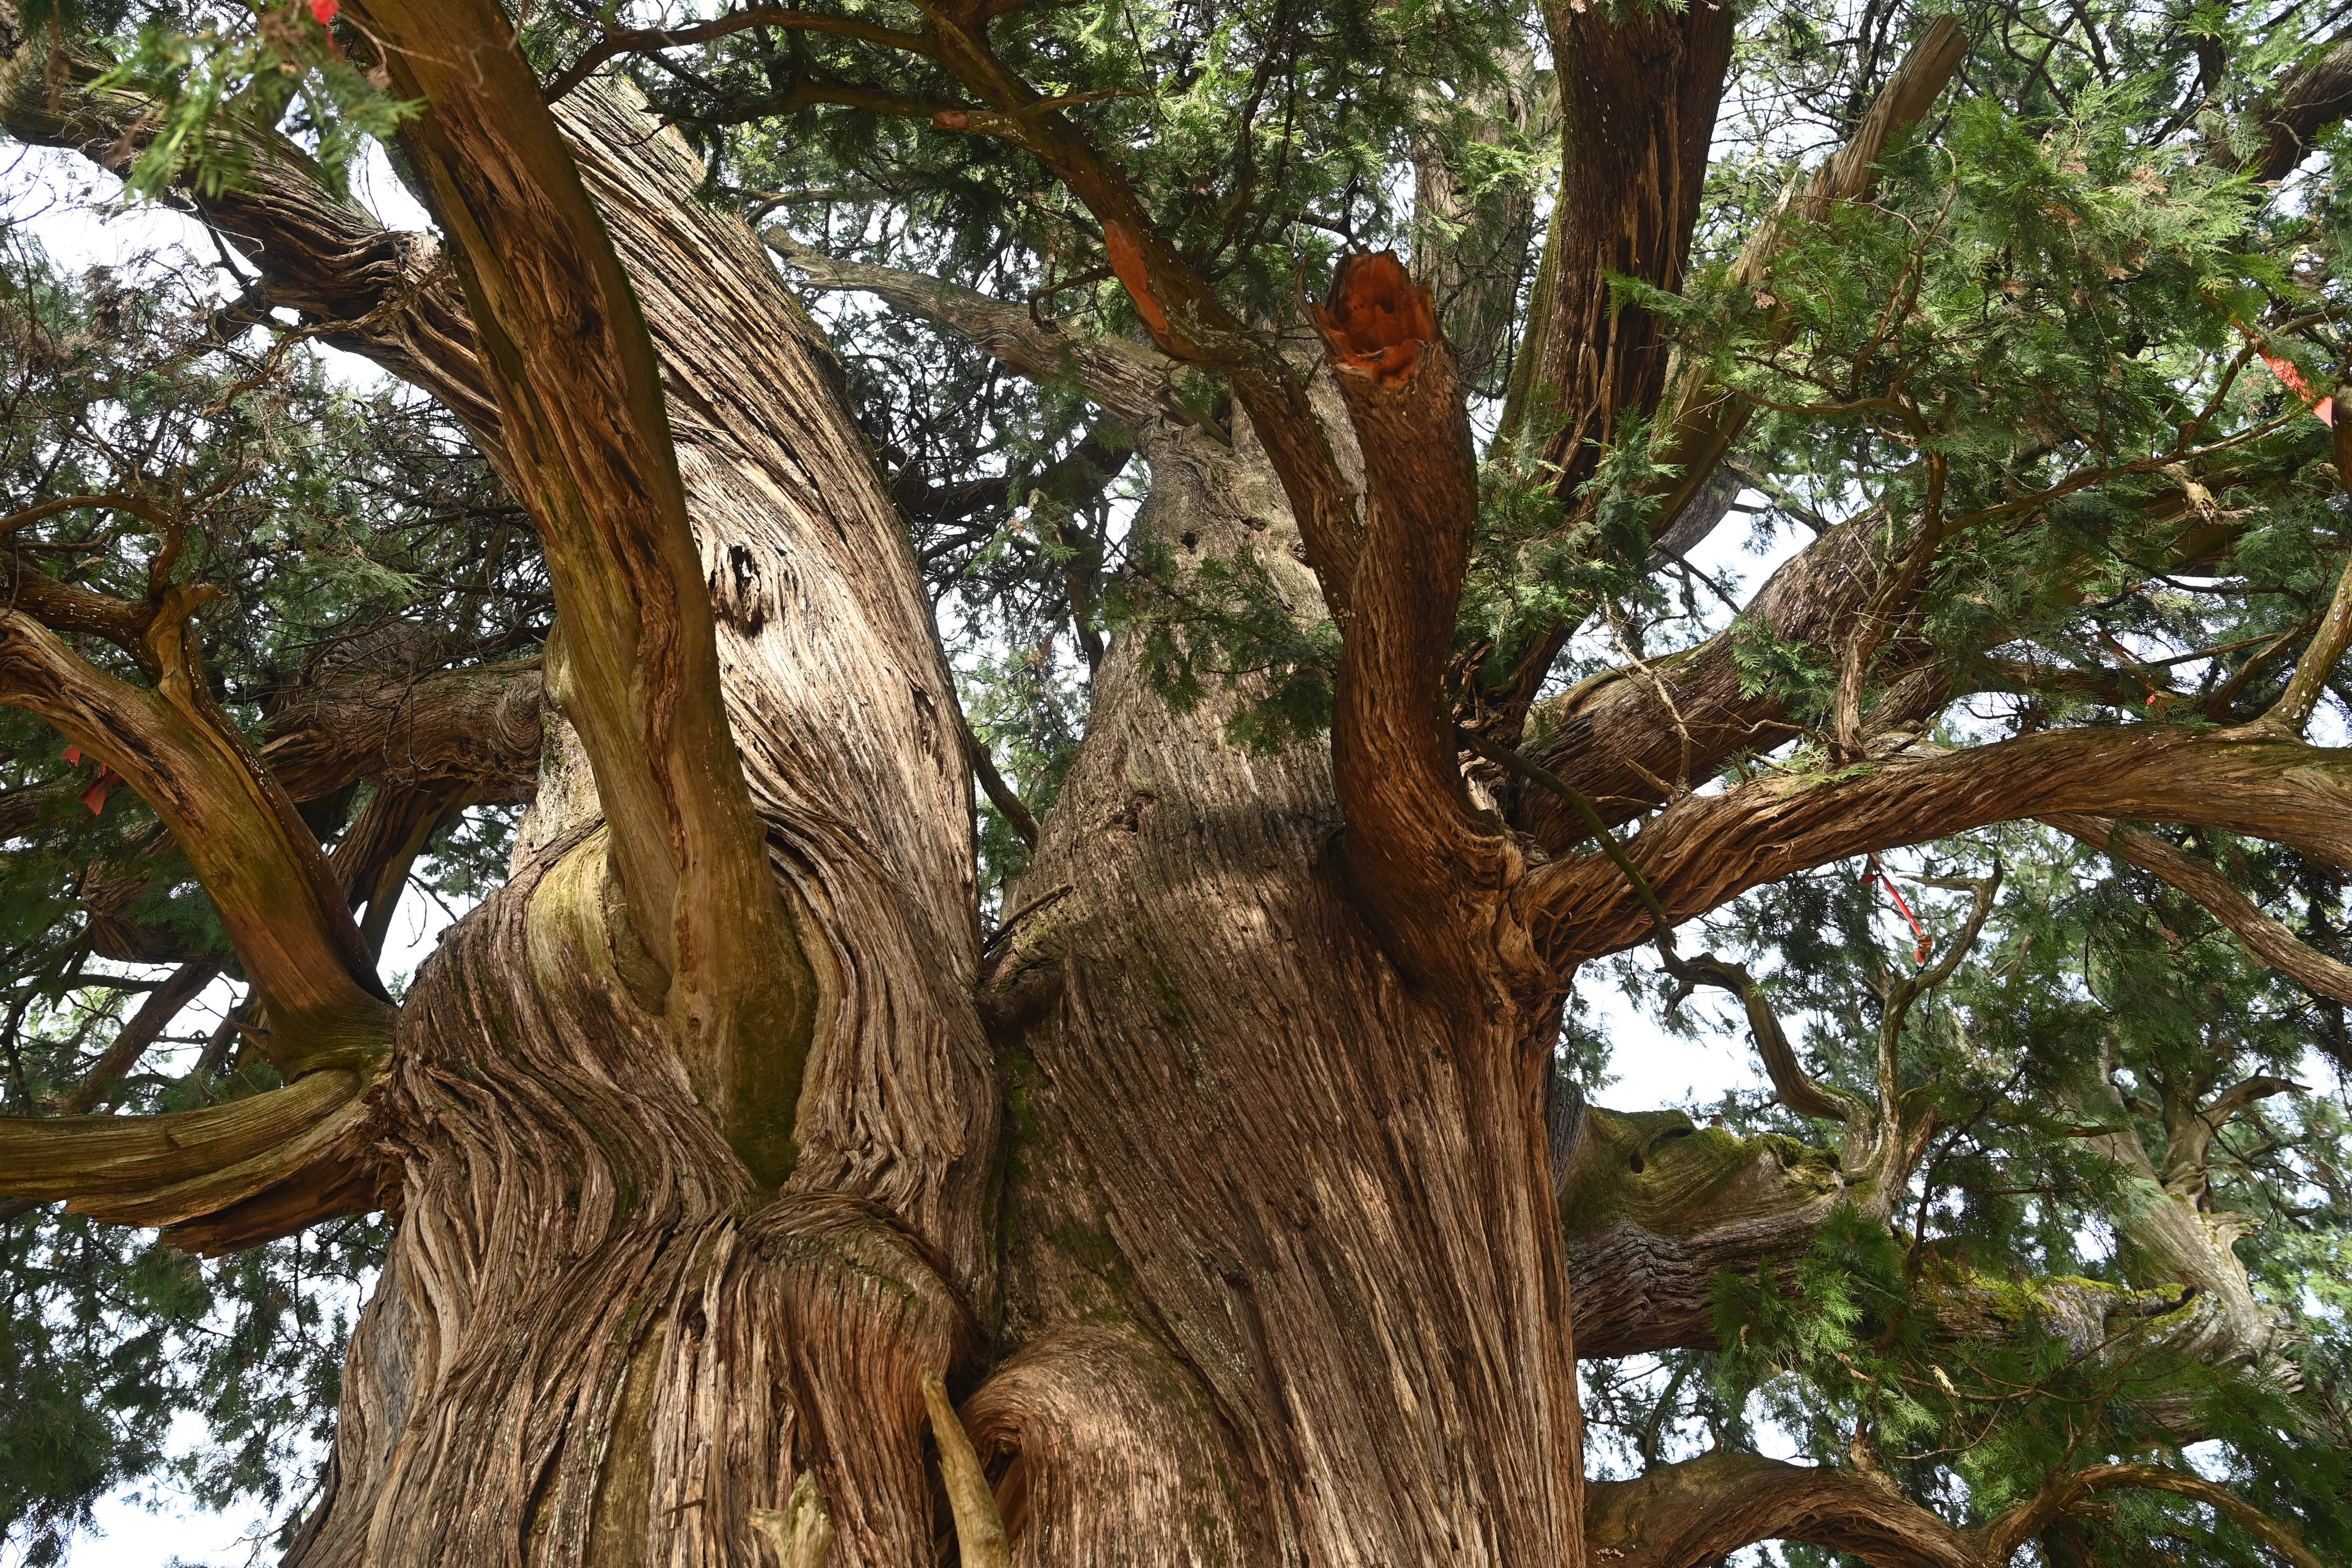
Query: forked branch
x=635 y=667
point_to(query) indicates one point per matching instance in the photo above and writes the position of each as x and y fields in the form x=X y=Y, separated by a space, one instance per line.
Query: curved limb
x=1680 y=1516
x=288 y=919
x=571 y=360
x=1704 y=850
x=2062 y=1493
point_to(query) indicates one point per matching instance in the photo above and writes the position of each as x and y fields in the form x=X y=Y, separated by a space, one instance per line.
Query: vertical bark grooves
x=1638 y=101
x=840 y=703
x=1328 y=1198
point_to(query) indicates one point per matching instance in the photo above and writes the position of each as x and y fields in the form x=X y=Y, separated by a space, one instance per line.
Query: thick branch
x=580 y=392
x=1705 y=850
x=1639 y=92
x=226 y=1176
x=292 y=931
x=1680 y=1516
x=2315 y=96
x=1413 y=846
x=1132 y=381
x=1630 y=739
x=478 y=726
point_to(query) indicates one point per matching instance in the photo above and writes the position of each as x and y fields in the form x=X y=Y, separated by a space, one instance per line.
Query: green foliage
x=1224 y=623
x=216 y=83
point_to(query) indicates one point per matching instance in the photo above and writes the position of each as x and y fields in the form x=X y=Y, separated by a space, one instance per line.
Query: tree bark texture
x=1227 y=1187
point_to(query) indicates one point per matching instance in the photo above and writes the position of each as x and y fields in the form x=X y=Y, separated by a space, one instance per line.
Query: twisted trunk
x=1262 y=1265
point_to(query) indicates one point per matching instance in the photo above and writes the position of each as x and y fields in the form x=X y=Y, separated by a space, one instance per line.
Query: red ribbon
x=95 y=796
x=2292 y=378
x=1878 y=873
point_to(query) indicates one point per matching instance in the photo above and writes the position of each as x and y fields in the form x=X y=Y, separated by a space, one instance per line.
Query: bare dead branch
x=1797 y=1089
x=980 y=1530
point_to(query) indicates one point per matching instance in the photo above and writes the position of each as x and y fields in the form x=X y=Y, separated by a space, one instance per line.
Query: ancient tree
x=1033 y=1010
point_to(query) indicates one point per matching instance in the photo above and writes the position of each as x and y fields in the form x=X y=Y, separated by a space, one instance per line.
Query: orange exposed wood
x=1378 y=318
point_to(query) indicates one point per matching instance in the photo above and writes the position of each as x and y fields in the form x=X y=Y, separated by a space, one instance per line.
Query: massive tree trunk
x=1227 y=1187
x=1260 y=1264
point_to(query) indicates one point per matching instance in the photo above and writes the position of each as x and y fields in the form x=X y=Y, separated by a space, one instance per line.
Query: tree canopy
x=2004 y=815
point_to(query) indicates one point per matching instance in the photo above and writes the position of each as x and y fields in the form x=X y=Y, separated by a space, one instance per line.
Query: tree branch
x=292 y=932
x=198 y=1169
x=1700 y=420
x=1131 y=381
x=2313 y=96
x=2291 y=712
x=2060 y=1494
x=1796 y=1087
x=480 y=725
x=1705 y=850
x=1630 y=739
x=2268 y=939
x=635 y=664
x=1680 y=1516
x=1639 y=93
x=103 y=1081
x=639 y=40
x=1413 y=846
x=1178 y=306
x=375 y=291
x=1006 y=799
